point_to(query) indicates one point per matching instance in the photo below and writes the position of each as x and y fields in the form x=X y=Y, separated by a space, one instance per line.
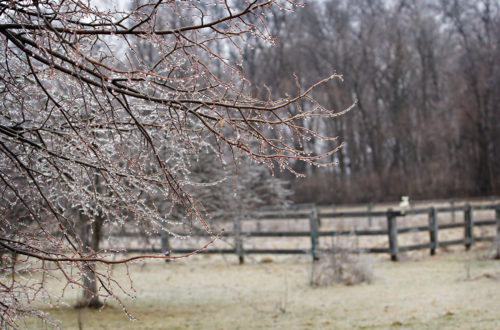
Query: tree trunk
x=90 y=298
x=90 y=239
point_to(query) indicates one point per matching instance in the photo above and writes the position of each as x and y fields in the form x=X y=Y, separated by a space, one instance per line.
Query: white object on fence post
x=404 y=204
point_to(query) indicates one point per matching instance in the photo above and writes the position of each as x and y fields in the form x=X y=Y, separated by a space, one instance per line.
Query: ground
x=453 y=290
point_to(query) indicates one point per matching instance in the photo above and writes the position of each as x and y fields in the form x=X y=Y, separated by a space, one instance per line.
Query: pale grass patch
x=216 y=293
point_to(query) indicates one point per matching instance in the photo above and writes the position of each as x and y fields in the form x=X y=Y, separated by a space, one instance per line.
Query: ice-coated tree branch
x=93 y=133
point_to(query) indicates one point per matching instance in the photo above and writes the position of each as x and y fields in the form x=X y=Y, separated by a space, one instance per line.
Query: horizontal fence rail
x=393 y=218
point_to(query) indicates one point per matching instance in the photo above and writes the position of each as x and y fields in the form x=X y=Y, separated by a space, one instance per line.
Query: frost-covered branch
x=96 y=131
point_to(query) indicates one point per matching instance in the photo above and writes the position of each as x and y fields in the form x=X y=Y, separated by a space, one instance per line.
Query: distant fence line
x=314 y=216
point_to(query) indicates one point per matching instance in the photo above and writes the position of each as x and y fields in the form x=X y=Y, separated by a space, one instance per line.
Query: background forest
x=158 y=118
x=426 y=77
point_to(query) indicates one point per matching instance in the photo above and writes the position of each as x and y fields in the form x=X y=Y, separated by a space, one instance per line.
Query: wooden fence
x=434 y=225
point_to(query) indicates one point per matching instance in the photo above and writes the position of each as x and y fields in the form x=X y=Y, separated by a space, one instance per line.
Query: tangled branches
x=103 y=110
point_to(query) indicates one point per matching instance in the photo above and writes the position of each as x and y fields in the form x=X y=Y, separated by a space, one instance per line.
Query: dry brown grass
x=450 y=291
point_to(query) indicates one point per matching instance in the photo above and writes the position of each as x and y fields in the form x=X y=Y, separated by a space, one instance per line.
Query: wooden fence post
x=313 y=224
x=238 y=243
x=433 y=230
x=469 y=227
x=393 y=234
x=452 y=204
x=165 y=244
x=370 y=210
x=497 y=239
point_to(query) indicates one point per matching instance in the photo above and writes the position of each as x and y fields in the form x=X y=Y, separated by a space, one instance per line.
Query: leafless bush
x=341 y=266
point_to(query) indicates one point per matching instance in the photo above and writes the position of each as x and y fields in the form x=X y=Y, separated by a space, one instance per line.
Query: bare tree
x=92 y=133
x=424 y=75
x=477 y=26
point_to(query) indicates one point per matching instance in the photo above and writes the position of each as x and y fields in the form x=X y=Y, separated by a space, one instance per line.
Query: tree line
x=425 y=76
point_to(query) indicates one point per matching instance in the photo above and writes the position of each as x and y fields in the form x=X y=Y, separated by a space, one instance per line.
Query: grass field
x=450 y=291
